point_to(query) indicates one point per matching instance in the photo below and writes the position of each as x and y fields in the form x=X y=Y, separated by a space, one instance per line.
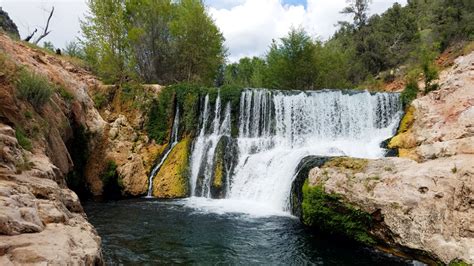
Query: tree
x=198 y=42
x=248 y=72
x=359 y=9
x=105 y=40
x=74 y=49
x=291 y=62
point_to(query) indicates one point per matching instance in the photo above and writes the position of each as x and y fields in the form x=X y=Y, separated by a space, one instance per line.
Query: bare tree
x=28 y=38
x=45 y=32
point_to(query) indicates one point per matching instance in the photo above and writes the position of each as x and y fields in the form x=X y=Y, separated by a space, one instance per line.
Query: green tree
x=359 y=9
x=106 y=41
x=49 y=46
x=74 y=49
x=291 y=62
x=198 y=43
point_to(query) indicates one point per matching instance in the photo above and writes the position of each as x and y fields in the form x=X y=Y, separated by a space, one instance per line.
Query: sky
x=248 y=25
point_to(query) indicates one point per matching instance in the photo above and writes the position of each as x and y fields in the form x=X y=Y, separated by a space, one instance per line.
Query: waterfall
x=205 y=145
x=277 y=129
x=174 y=141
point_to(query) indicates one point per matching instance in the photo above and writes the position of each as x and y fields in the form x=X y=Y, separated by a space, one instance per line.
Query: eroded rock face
x=425 y=200
x=443 y=121
x=425 y=206
x=40 y=222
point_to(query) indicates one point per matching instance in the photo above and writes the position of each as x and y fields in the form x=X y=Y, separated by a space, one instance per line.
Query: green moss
x=327 y=213
x=171 y=181
x=110 y=173
x=23 y=139
x=458 y=263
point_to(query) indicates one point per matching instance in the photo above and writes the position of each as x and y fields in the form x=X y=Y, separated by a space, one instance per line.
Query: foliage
x=160 y=114
x=23 y=139
x=410 y=92
x=34 y=88
x=105 y=40
x=49 y=46
x=290 y=63
x=328 y=213
x=110 y=173
x=152 y=41
x=74 y=49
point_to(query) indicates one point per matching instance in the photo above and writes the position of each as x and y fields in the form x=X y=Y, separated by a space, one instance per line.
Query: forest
x=168 y=42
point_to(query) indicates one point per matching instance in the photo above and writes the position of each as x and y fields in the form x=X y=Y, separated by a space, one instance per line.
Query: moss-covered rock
x=171 y=181
x=328 y=213
x=404 y=139
x=354 y=164
x=224 y=160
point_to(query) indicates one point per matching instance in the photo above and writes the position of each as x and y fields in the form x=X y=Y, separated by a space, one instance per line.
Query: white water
x=205 y=145
x=277 y=130
x=174 y=138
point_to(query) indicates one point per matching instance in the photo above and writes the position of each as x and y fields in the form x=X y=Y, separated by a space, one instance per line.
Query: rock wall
x=423 y=202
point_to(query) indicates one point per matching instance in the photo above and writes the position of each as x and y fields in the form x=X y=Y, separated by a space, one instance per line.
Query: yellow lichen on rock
x=404 y=138
x=218 y=174
x=171 y=180
x=354 y=164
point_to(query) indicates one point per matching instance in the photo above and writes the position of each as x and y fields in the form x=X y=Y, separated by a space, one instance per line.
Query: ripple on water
x=195 y=231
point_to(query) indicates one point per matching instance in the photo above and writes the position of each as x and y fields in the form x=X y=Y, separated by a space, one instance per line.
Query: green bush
x=410 y=92
x=160 y=114
x=110 y=173
x=99 y=100
x=23 y=139
x=34 y=88
x=327 y=213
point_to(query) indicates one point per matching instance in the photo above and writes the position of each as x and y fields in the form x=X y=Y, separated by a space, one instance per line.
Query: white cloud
x=250 y=26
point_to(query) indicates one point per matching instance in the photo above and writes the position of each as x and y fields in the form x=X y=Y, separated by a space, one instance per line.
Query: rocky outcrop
x=441 y=124
x=7 y=24
x=41 y=221
x=126 y=141
x=423 y=202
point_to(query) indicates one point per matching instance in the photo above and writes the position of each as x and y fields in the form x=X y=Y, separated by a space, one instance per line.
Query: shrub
x=34 y=88
x=410 y=92
x=23 y=140
x=160 y=115
x=99 y=100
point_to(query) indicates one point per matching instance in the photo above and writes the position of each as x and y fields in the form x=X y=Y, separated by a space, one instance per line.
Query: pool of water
x=191 y=231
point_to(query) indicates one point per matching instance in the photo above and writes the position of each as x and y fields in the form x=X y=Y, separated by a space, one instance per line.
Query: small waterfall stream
x=278 y=129
x=174 y=141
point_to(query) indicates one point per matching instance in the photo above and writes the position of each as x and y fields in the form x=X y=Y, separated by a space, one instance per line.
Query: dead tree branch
x=45 y=32
x=28 y=38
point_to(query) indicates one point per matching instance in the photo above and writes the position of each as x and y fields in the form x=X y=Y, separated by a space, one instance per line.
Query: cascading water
x=174 y=141
x=203 y=152
x=278 y=129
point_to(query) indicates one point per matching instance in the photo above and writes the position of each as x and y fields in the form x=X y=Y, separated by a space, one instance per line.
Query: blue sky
x=248 y=25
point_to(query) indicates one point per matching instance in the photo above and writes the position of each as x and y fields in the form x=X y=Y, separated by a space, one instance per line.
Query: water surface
x=197 y=231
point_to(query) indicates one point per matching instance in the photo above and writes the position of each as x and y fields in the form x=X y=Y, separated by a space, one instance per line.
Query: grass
x=66 y=95
x=327 y=213
x=34 y=88
x=23 y=139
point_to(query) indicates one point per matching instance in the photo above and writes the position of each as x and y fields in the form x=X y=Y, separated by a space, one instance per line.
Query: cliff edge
x=423 y=202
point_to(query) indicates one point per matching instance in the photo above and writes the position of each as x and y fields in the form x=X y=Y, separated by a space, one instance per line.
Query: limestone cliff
x=41 y=220
x=424 y=201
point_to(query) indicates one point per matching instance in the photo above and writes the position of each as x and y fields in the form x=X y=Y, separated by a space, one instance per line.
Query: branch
x=46 y=32
x=28 y=38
